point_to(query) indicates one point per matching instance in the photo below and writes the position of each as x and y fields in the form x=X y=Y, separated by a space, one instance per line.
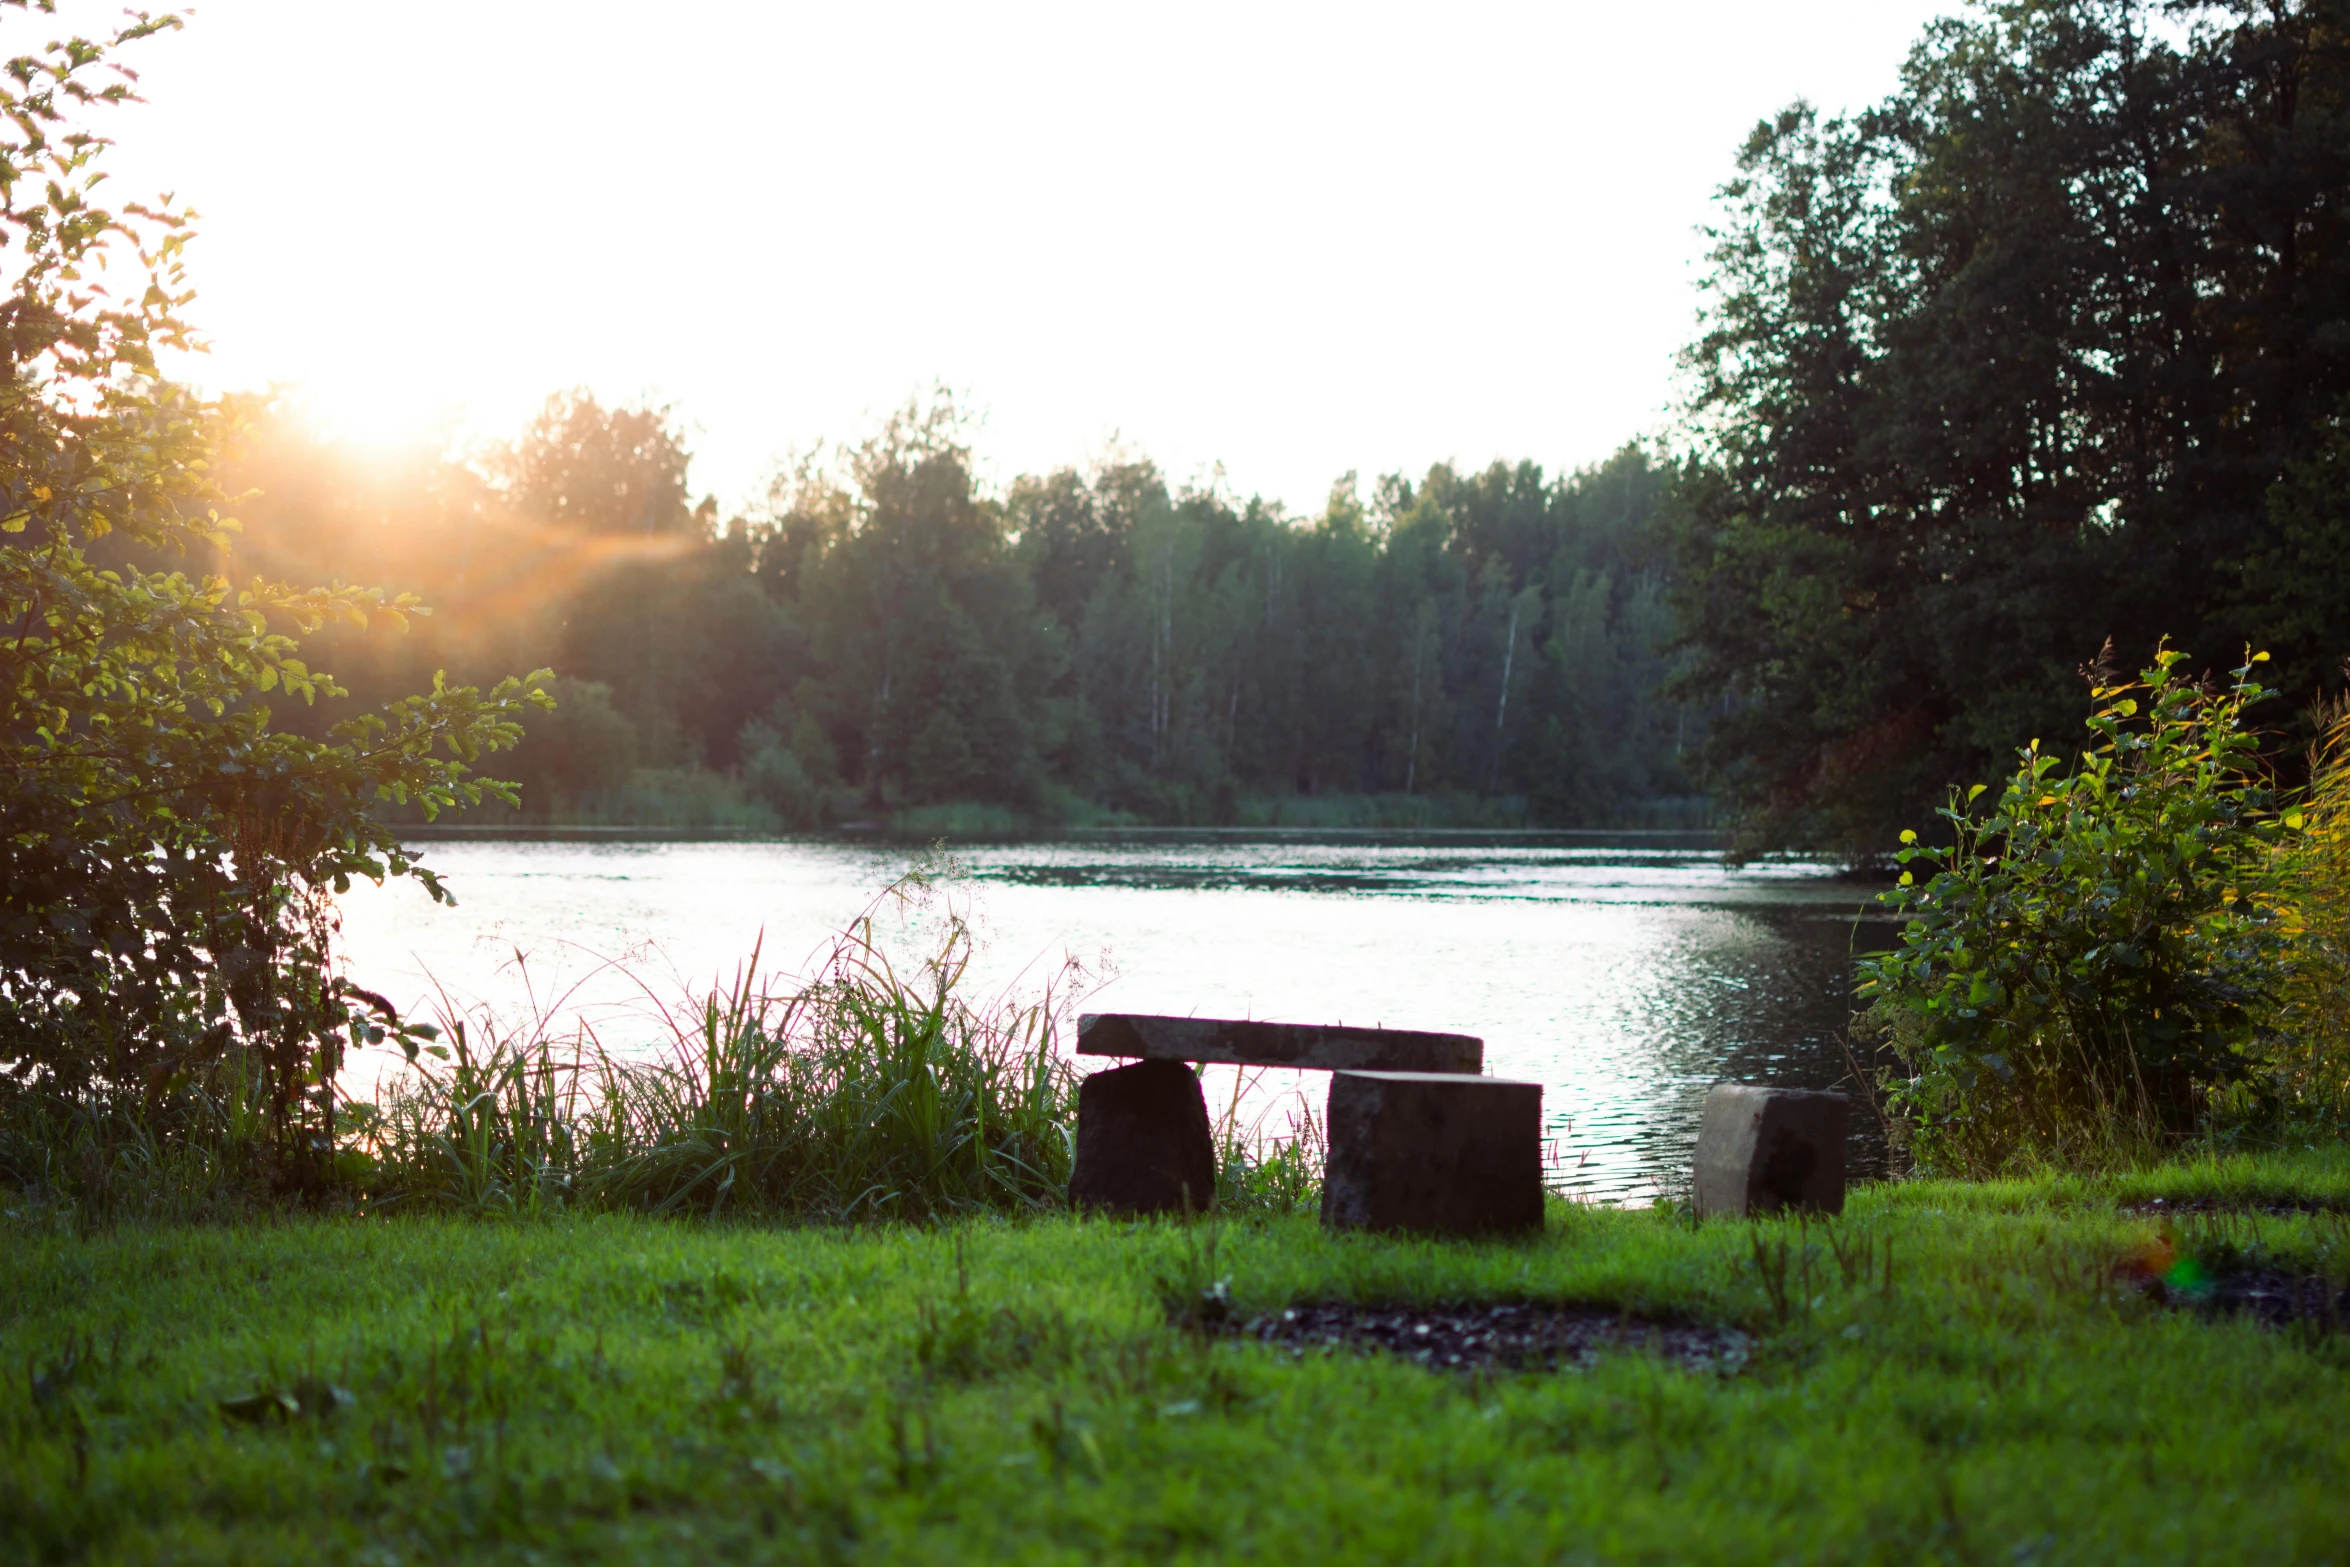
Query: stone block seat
x=1433 y=1153
x=1418 y=1139
x=1770 y=1150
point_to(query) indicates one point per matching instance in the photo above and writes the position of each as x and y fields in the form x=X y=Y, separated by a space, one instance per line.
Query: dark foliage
x=883 y=632
x=166 y=850
x=2009 y=365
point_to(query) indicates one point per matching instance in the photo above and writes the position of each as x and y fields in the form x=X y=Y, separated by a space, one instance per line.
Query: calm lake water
x=1627 y=973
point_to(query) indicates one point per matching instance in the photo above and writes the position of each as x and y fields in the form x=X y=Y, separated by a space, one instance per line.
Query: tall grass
x=104 y=1159
x=1260 y=1170
x=859 y=1092
x=198 y=1147
x=863 y=1090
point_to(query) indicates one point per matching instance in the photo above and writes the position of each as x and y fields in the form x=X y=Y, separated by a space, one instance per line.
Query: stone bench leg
x=1435 y=1152
x=1762 y=1150
x=1143 y=1144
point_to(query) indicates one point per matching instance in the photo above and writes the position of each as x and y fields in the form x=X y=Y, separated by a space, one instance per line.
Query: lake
x=1625 y=972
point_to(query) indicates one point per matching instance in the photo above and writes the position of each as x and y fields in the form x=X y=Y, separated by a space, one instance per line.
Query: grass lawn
x=417 y=1390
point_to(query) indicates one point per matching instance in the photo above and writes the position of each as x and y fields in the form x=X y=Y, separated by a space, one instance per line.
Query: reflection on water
x=1626 y=973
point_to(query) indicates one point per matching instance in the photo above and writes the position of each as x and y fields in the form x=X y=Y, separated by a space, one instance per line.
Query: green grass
x=682 y=797
x=689 y=799
x=1405 y=811
x=620 y=1388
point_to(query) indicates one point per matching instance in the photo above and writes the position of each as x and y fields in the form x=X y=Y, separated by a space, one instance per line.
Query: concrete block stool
x=1434 y=1152
x=1143 y=1142
x=1763 y=1150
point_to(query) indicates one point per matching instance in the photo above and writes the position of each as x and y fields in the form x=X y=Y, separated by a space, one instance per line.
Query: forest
x=2030 y=369
x=883 y=640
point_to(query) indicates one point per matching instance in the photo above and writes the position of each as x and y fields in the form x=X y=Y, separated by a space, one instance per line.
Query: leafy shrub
x=2305 y=1054
x=2087 y=965
x=778 y=777
x=166 y=854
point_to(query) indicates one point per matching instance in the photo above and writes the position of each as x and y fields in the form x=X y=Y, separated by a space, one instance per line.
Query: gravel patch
x=1519 y=1337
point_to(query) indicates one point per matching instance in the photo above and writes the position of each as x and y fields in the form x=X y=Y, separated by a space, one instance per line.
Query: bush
x=776 y=774
x=166 y=854
x=2085 y=973
x=2304 y=1086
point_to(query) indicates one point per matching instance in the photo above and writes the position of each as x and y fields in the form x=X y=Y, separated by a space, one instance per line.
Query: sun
x=379 y=417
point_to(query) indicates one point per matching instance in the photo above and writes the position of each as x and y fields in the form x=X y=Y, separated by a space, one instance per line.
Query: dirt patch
x=2270 y=1296
x=2216 y=1260
x=1504 y=1337
x=2273 y=1207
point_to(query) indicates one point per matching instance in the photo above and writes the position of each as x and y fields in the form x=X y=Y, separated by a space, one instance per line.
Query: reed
x=1261 y=1170
x=862 y=1091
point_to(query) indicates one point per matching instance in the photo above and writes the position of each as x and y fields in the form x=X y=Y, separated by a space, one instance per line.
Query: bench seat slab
x=1307 y=1045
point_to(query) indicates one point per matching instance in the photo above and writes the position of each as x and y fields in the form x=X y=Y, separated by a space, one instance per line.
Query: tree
x=166 y=851
x=1998 y=370
x=919 y=618
x=592 y=470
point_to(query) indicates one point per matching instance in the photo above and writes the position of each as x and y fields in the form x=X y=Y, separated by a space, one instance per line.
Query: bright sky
x=1292 y=239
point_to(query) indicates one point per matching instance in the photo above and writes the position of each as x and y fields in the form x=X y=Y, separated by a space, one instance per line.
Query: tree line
x=2038 y=364
x=882 y=633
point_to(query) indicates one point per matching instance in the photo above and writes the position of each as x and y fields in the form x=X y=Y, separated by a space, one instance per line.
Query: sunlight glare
x=381 y=419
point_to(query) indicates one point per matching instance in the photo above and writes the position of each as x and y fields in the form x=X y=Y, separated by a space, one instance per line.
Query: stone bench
x=1312 y=1046
x=1418 y=1140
